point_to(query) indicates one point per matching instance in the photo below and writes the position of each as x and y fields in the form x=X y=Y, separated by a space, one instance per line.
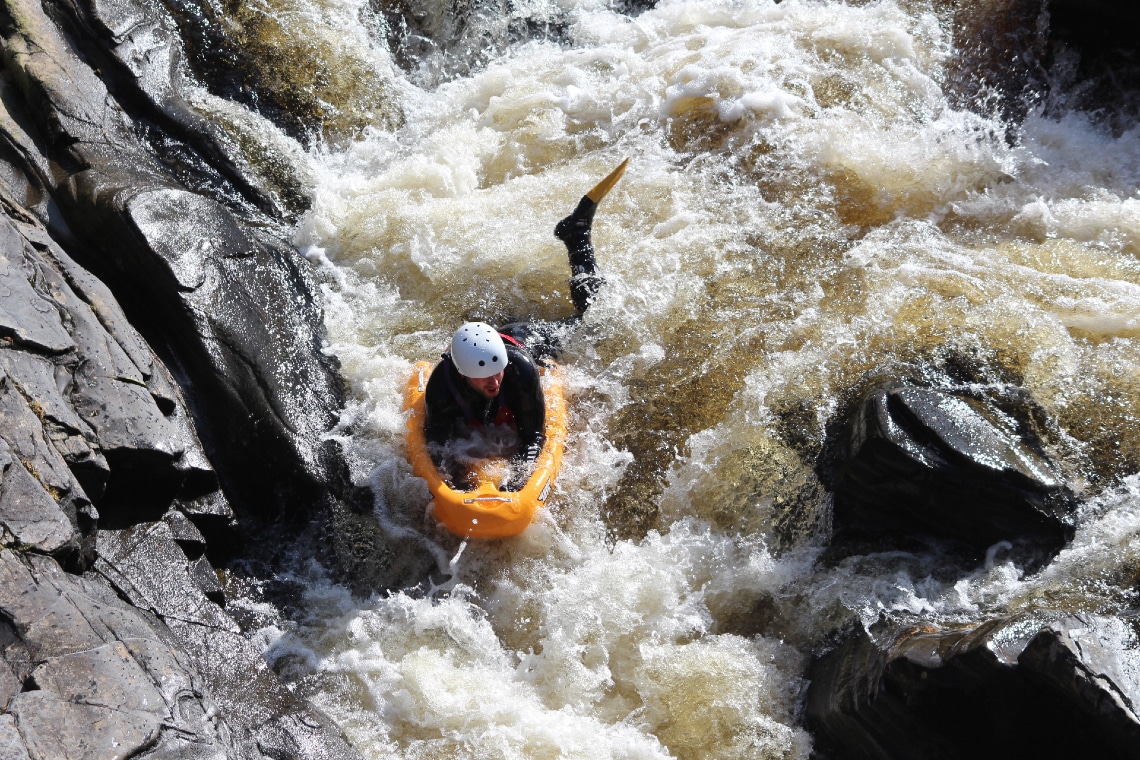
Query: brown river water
x=804 y=208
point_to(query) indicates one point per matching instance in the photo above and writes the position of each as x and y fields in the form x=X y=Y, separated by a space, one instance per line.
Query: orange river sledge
x=485 y=511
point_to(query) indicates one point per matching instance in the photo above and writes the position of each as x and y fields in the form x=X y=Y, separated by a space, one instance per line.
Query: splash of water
x=804 y=208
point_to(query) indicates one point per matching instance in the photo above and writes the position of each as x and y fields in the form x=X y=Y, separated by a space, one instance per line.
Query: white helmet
x=477 y=350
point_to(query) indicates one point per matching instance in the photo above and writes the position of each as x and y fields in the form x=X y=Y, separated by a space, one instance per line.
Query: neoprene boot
x=574 y=231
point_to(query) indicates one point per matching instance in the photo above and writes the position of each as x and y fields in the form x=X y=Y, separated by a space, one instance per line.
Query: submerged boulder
x=950 y=464
x=1018 y=686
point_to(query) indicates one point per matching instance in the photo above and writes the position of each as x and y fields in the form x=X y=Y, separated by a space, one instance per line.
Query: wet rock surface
x=149 y=197
x=954 y=464
x=1018 y=686
x=231 y=308
x=1015 y=54
x=945 y=472
x=89 y=415
x=165 y=400
x=91 y=675
x=112 y=635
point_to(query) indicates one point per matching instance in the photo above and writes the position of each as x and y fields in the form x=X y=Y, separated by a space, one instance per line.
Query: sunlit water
x=803 y=209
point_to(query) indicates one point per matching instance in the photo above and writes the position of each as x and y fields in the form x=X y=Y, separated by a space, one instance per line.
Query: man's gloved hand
x=530 y=454
x=522 y=464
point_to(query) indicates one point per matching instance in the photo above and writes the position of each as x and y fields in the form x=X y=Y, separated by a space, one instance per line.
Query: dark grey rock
x=52 y=727
x=1073 y=661
x=11 y=743
x=31 y=318
x=110 y=675
x=206 y=579
x=81 y=692
x=265 y=393
x=26 y=172
x=246 y=689
x=66 y=97
x=946 y=464
x=226 y=305
x=187 y=472
x=106 y=404
x=1013 y=687
x=54 y=613
x=28 y=513
x=107 y=676
x=23 y=430
x=106 y=310
x=43 y=379
x=139 y=46
x=302 y=733
x=145 y=565
x=39 y=378
x=277 y=724
x=212 y=514
x=232 y=307
x=9 y=687
x=24 y=426
x=185 y=534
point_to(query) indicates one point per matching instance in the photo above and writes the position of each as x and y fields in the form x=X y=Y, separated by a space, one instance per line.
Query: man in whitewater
x=489 y=377
x=483 y=382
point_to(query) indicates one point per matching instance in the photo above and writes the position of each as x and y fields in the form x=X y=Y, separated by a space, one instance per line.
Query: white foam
x=619 y=647
x=803 y=204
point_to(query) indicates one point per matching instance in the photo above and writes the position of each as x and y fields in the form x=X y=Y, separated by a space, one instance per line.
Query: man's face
x=487 y=387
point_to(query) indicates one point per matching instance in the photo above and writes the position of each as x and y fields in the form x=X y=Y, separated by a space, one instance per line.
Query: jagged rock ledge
x=1016 y=686
x=114 y=639
x=959 y=471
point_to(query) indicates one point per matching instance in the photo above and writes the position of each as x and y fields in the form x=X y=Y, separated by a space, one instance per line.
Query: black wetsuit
x=543 y=337
x=454 y=407
x=574 y=231
x=521 y=391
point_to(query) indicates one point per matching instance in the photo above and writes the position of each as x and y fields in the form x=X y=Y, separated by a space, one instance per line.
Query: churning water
x=804 y=207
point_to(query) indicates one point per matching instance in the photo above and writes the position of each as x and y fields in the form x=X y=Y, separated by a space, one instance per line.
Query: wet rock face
x=137 y=441
x=1102 y=25
x=1016 y=55
x=1013 y=687
x=947 y=464
x=1102 y=35
x=137 y=656
x=105 y=143
x=1002 y=59
x=232 y=309
x=87 y=674
x=91 y=426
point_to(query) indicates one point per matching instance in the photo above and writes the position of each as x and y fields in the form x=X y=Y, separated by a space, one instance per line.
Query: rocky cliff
x=164 y=401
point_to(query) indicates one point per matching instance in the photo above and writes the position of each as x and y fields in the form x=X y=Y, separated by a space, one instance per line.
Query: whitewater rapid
x=803 y=206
